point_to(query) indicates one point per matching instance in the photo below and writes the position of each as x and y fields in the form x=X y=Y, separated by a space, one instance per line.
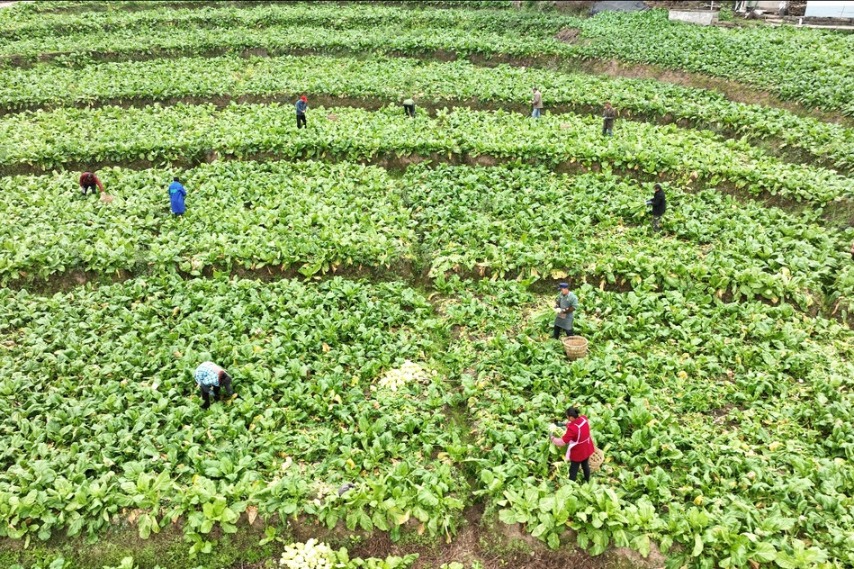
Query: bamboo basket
x=596 y=460
x=575 y=347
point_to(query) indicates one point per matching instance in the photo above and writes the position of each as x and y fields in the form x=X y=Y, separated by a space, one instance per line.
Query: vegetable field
x=380 y=289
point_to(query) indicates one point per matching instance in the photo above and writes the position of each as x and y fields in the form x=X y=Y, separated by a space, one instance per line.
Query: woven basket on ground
x=596 y=459
x=575 y=347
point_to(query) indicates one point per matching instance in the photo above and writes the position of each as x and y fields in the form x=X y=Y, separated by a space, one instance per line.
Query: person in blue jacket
x=177 y=193
x=301 y=105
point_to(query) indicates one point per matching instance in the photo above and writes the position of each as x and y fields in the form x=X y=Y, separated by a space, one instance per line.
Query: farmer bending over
x=177 y=193
x=88 y=181
x=210 y=378
x=409 y=107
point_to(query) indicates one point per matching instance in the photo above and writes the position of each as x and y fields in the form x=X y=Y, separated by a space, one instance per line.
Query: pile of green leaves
x=384 y=79
x=101 y=423
x=189 y=134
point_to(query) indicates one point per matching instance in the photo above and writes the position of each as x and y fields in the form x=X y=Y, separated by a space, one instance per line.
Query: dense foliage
x=100 y=425
x=713 y=434
x=726 y=427
x=379 y=80
x=814 y=67
x=189 y=134
x=717 y=381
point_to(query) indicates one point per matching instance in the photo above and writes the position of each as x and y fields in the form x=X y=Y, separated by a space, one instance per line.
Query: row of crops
x=382 y=79
x=436 y=220
x=190 y=134
x=714 y=433
x=813 y=67
x=381 y=288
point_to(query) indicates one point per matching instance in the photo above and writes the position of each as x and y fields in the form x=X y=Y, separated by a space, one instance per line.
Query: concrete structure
x=700 y=17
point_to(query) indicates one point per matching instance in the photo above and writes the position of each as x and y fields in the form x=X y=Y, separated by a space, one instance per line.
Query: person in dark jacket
x=301 y=105
x=579 y=441
x=211 y=378
x=177 y=193
x=608 y=116
x=659 y=205
x=409 y=107
x=88 y=181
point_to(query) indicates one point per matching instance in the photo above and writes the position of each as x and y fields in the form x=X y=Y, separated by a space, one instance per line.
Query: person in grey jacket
x=565 y=306
x=537 y=104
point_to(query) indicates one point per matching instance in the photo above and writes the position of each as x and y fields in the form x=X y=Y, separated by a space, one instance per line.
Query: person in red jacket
x=88 y=181
x=579 y=442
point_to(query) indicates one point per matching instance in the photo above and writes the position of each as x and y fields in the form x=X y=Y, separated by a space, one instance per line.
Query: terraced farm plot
x=381 y=290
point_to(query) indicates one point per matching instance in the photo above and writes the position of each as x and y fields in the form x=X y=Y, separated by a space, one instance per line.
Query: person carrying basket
x=579 y=443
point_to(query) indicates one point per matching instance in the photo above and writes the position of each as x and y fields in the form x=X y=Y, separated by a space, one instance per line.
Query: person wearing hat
x=565 y=306
x=301 y=105
x=579 y=442
x=211 y=378
x=409 y=107
x=177 y=193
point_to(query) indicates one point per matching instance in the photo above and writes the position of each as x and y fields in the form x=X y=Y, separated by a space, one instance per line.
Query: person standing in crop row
x=301 y=106
x=659 y=205
x=608 y=116
x=579 y=442
x=565 y=306
x=537 y=104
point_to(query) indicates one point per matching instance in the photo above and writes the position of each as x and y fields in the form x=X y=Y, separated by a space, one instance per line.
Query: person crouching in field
x=579 y=442
x=409 y=107
x=212 y=379
x=89 y=181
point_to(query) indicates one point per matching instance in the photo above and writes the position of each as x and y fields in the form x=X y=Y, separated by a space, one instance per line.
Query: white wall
x=830 y=9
